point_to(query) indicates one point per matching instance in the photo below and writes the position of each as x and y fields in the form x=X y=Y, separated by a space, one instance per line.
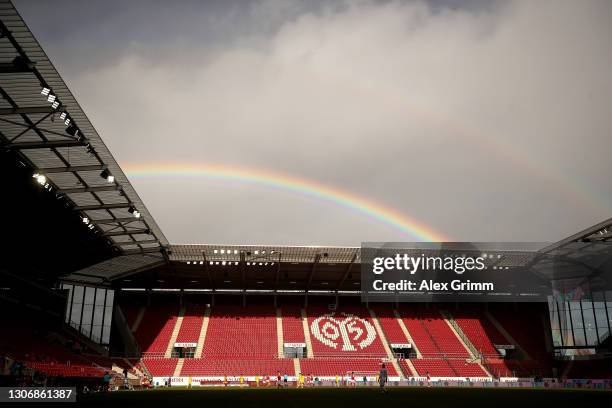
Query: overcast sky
x=487 y=121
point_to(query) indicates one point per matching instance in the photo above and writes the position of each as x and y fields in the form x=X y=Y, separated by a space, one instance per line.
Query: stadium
x=95 y=297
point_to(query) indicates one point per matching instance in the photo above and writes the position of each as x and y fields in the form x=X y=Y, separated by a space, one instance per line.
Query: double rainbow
x=285 y=182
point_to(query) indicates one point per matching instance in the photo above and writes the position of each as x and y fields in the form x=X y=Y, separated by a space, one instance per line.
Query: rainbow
x=310 y=188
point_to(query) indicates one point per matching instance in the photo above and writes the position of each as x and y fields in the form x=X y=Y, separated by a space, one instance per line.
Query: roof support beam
x=10 y=68
x=315 y=263
x=102 y=207
x=144 y=241
x=128 y=232
x=29 y=125
x=116 y=220
x=207 y=270
x=44 y=145
x=141 y=251
x=72 y=169
x=579 y=236
x=278 y=270
x=349 y=268
x=110 y=187
x=243 y=270
x=26 y=110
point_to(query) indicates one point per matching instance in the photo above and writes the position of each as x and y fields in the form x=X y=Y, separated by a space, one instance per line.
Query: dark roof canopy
x=41 y=120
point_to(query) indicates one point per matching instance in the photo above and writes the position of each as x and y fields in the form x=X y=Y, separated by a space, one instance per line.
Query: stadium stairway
x=309 y=352
x=297 y=366
x=411 y=370
x=138 y=371
x=175 y=332
x=279 y=333
x=179 y=367
x=463 y=339
x=407 y=334
x=203 y=330
x=385 y=344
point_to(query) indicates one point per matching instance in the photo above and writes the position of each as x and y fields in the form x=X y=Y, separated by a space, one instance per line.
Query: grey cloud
x=486 y=121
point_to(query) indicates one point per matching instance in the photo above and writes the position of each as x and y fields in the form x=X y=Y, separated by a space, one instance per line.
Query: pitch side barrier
x=371 y=381
x=479 y=272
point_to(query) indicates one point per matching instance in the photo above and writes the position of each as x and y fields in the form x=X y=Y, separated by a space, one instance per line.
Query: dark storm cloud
x=487 y=121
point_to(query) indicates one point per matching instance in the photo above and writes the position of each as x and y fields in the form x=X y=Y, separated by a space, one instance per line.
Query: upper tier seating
x=525 y=328
x=156 y=328
x=432 y=335
x=235 y=331
x=480 y=331
x=293 y=330
x=390 y=325
x=130 y=312
x=421 y=337
x=191 y=325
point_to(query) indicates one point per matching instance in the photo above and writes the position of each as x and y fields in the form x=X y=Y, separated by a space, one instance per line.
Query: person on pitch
x=382 y=378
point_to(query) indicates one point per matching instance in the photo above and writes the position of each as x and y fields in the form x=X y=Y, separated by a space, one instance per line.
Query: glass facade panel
x=589 y=323
x=108 y=316
x=96 y=327
x=69 y=305
x=77 y=307
x=89 y=310
x=584 y=323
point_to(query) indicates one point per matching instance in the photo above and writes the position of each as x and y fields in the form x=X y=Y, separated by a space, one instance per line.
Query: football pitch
x=343 y=397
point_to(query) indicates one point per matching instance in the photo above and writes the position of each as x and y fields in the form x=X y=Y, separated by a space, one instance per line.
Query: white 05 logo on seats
x=343 y=329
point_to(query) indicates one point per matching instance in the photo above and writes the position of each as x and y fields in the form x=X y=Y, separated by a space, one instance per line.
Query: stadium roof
x=115 y=268
x=259 y=267
x=585 y=256
x=42 y=121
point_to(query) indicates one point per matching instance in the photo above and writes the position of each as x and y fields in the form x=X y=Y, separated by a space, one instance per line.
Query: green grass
x=352 y=398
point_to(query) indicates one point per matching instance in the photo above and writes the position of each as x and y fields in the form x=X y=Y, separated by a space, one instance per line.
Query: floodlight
x=106 y=175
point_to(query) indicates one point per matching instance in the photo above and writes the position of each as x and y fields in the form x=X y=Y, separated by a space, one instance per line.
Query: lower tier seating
x=515 y=368
x=236 y=367
x=465 y=369
x=591 y=369
x=63 y=370
x=328 y=367
x=160 y=367
x=431 y=367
